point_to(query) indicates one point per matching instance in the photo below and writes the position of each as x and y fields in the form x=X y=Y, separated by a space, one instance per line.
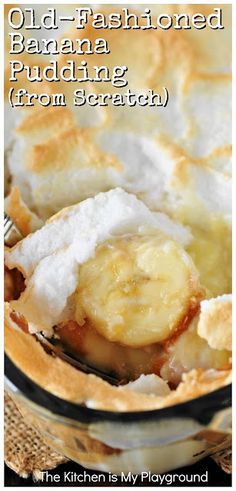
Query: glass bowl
x=144 y=441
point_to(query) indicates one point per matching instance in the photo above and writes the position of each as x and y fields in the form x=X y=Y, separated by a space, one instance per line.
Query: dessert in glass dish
x=118 y=312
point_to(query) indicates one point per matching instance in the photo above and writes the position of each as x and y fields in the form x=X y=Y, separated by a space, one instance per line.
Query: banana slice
x=137 y=289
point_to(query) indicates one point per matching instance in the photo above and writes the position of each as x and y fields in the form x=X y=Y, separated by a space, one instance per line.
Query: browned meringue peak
x=200 y=132
x=215 y=323
x=20 y=214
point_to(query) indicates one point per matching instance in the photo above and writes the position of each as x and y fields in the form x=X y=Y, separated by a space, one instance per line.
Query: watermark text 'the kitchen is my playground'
x=132 y=479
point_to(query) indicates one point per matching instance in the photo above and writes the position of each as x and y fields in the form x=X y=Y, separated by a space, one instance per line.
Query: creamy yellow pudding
x=211 y=251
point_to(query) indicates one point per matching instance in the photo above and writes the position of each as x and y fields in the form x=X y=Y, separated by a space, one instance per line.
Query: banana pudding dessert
x=125 y=213
x=113 y=282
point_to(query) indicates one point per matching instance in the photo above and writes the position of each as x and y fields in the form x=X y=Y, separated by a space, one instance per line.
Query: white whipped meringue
x=149 y=384
x=50 y=258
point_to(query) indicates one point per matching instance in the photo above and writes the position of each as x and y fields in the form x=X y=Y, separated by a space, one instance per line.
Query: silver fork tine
x=7 y=224
x=11 y=232
x=58 y=350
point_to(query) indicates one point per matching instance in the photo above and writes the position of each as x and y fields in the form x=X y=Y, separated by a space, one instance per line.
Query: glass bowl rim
x=200 y=408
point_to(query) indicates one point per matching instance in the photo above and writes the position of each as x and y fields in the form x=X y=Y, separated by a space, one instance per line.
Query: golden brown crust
x=183 y=160
x=148 y=46
x=63 y=380
x=18 y=212
x=58 y=153
x=52 y=120
x=215 y=324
